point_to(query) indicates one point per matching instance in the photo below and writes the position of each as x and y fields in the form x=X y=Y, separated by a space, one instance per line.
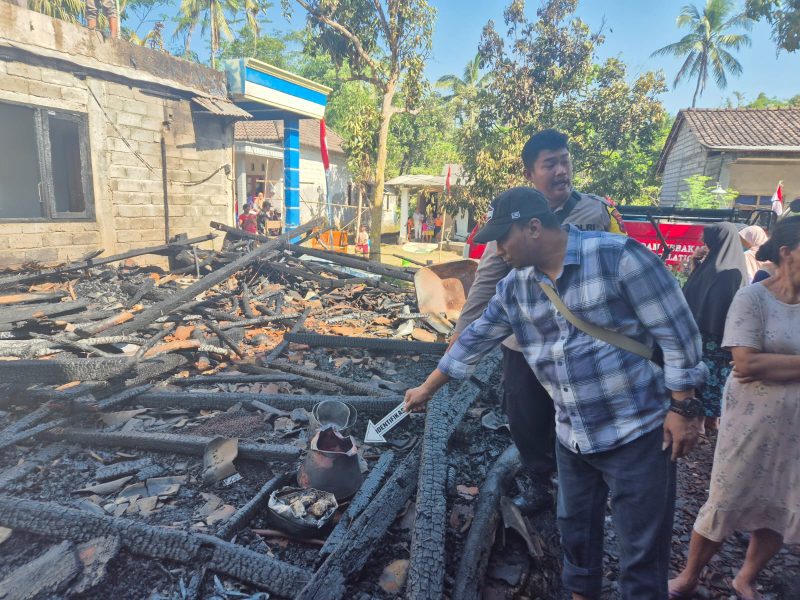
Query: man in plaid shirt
x=621 y=420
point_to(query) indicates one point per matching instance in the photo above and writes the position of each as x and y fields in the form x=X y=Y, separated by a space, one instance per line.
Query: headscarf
x=754 y=236
x=711 y=287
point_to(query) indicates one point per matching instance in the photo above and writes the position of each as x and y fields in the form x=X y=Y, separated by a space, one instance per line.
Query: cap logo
x=515 y=215
x=490 y=212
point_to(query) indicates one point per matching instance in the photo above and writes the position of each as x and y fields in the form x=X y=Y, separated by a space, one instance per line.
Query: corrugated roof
x=739 y=129
x=221 y=107
x=271 y=132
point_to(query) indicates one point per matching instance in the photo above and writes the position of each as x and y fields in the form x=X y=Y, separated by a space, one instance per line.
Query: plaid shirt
x=604 y=396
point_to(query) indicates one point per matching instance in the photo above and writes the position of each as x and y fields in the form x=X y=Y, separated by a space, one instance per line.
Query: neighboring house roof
x=738 y=129
x=271 y=132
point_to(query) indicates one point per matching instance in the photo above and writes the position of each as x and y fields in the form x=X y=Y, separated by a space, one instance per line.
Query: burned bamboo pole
x=207 y=282
x=444 y=413
x=194 y=445
x=478 y=546
x=54 y=521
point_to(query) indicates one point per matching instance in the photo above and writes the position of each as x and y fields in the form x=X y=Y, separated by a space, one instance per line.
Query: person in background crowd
x=529 y=407
x=410 y=228
x=709 y=291
x=437 y=225
x=109 y=7
x=617 y=413
x=755 y=480
x=752 y=238
x=362 y=241
x=264 y=216
x=248 y=220
x=417 y=218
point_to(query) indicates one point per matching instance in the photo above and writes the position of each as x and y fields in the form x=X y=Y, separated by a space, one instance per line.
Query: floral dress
x=755 y=480
x=718 y=361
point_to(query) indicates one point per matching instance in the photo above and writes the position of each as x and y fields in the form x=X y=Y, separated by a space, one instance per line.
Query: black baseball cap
x=517 y=205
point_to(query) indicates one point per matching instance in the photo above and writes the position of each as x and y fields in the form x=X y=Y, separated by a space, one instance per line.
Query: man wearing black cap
x=548 y=167
x=621 y=418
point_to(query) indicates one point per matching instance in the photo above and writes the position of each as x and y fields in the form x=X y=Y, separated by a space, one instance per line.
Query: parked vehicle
x=672 y=233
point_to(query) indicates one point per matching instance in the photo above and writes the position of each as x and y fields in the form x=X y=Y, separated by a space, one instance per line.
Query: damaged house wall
x=81 y=121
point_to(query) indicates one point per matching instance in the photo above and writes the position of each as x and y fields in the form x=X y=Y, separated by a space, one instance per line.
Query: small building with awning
x=427 y=192
x=272 y=94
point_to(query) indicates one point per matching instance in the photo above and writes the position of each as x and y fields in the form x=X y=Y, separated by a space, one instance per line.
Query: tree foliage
x=701 y=194
x=462 y=91
x=706 y=48
x=72 y=11
x=542 y=73
x=784 y=18
x=385 y=44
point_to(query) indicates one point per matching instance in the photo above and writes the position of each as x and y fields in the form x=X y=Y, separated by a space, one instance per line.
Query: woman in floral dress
x=755 y=480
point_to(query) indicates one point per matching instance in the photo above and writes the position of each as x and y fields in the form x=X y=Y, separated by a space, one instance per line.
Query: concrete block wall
x=125 y=110
x=125 y=143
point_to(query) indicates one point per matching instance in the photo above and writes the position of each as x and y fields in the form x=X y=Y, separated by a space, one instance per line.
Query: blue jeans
x=641 y=479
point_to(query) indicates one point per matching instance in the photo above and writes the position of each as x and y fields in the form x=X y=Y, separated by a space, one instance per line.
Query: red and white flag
x=447 y=181
x=777 y=200
x=323 y=145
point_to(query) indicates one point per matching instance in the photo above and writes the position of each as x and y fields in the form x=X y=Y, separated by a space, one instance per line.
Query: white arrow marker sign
x=375 y=432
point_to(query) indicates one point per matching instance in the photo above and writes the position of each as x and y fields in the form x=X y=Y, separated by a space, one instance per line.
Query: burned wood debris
x=150 y=417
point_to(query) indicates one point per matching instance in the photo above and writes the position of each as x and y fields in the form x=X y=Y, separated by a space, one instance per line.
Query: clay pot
x=331 y=464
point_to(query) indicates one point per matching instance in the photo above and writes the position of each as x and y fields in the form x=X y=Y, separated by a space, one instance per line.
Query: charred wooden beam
x=122 y=397
x=33 y=297
x=355 y=263
x=242 y=517
x=21 y=436
x=478 y=546
x=444 y=413
x=54 y=521
x=258 y=378
x=360 y=501
x=207 y=282
x=48 y=372
x=40 y=311
x=240 y=233
x=194 y=445
x=365 y=343
x=359 y=543
x=225 y=400
x=88 y=264
x=343 y=382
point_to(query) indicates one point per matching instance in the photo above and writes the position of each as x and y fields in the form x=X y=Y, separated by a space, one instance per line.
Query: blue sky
x=633 y=29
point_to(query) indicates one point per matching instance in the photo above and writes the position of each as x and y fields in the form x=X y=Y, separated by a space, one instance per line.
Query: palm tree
x=67 y=10
x=252 y=10
x=707 y=46
x=209 y=14
x=464 y=89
